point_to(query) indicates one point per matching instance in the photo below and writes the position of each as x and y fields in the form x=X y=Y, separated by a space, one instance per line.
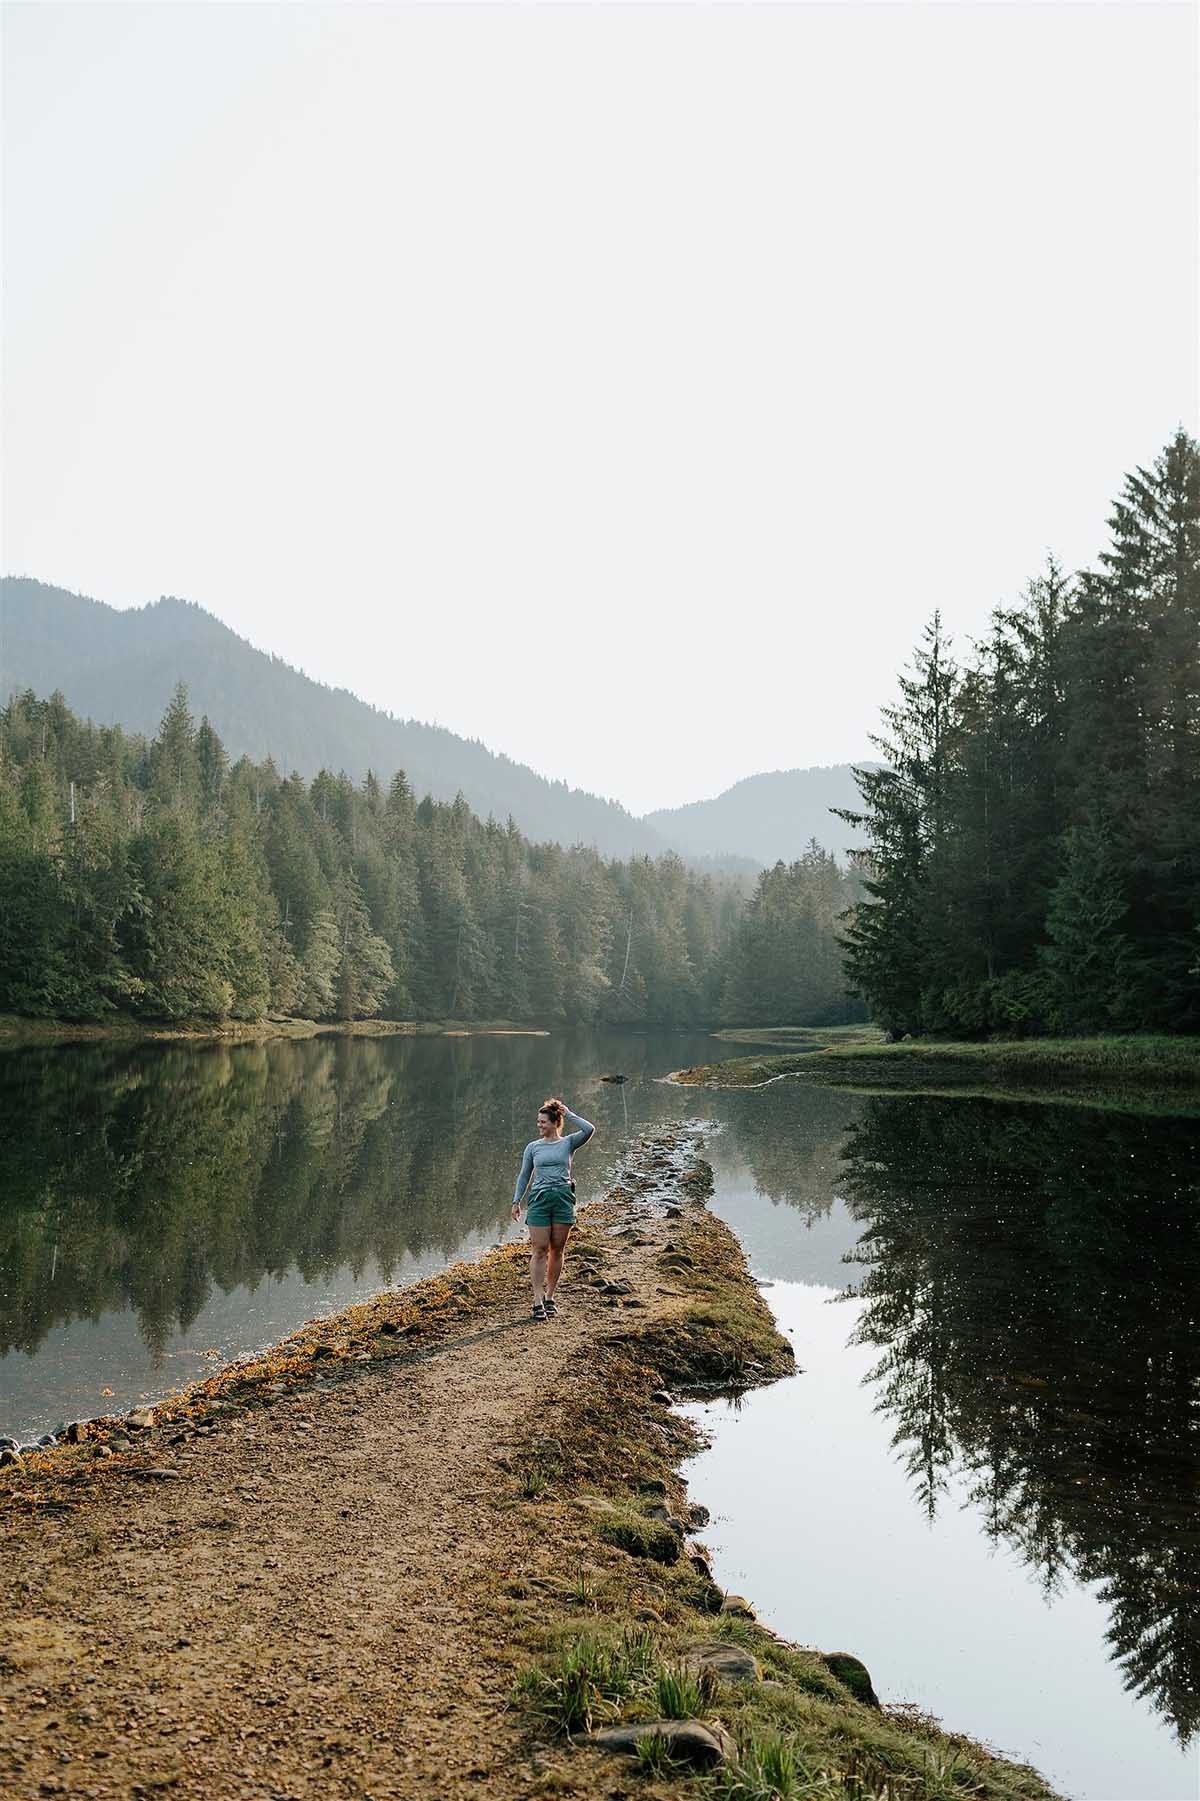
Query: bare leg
x=558 y=1250
x=539 y=1247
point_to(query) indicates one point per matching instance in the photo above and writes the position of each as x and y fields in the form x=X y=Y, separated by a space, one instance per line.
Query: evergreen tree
x=212 y=764
x=891 y=940
x=365 y=970
x=1033 y=843
x=173 y=942
x=1089 y=963
x=320 y=967
x=175 y=777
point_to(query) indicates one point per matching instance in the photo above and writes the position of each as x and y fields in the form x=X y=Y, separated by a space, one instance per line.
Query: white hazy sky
x=623 y=385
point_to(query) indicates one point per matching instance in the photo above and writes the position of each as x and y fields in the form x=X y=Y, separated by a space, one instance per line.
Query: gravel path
x=301 y=1608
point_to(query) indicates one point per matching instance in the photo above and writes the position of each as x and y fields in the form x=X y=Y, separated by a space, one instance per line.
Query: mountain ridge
x=764 y=811
x=121 y=665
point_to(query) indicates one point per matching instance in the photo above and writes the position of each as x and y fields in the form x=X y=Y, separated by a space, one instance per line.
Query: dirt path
x=303 y=1606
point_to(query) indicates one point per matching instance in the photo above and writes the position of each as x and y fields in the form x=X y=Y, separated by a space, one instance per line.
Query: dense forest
x=1032 y=855
x=1033 y=837
x=152 y=878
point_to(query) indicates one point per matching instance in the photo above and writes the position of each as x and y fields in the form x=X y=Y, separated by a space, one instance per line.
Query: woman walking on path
x=546 y=1172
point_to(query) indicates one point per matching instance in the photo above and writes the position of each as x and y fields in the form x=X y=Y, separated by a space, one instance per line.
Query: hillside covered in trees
x=152 y=878
x=1034 y=834
x=122 y=666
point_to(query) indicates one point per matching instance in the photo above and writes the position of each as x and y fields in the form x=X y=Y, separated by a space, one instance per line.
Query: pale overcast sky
x=622 y=385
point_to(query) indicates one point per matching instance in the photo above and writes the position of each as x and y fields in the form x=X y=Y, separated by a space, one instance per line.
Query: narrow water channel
x=984 y=1482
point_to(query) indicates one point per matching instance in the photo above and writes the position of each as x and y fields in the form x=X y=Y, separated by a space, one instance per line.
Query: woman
x=546 y=1172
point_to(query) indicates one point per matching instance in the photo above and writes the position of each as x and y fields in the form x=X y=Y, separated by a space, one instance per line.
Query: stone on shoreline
x=663 y=1514
x=730 y=1662
x=853 y=1674
x=739 y=1607
x=701 y=1743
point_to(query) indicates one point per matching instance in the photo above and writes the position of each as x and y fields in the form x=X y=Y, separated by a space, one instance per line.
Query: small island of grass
x=1145 y=1069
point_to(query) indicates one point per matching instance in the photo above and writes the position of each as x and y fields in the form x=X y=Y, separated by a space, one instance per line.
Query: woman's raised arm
x=581 y=1129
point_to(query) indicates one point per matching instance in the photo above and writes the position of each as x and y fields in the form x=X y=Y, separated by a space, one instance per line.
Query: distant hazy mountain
x=766 y=817
x=121 y=667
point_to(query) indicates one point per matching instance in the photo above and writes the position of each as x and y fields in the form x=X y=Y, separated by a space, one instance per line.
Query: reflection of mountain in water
x=1033 y=1278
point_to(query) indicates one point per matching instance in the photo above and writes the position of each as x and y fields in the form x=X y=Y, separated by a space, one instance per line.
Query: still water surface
x=984 y=1482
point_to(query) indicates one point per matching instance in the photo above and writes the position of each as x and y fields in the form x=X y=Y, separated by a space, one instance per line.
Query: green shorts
x=552 y=1206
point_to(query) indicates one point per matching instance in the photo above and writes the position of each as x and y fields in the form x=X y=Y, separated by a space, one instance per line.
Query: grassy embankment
x=1146 y=1071
x=15 y=1030
x=640 y=1640
x=623 y=1623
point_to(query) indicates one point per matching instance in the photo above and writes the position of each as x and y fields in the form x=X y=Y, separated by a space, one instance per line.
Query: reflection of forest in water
x=143 y=1177
x=1031 y=1274
x=1032 y=1278
x=146 y=1179
x=790 y=1137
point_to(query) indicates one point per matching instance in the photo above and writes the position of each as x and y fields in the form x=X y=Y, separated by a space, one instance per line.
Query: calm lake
x=985 y=1479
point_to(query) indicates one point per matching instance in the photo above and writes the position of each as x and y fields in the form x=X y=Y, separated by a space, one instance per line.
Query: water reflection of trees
x=135 y=1178
x=791 y=1140
x=1033 y=1282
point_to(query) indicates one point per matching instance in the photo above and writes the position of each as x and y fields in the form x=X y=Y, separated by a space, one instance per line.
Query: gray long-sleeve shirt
x=548 y=1160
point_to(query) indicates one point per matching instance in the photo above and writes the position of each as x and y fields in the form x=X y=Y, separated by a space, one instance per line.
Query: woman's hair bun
x=554 y=1110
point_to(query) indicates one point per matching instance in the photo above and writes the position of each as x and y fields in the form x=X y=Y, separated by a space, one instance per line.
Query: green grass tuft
x=631 y=1531
x=770 y=1770
x=583 y=1685
x=680 y=1695
x=582 y=1589
x=588 y=1682
x=654 y=1758
x=535 y=1475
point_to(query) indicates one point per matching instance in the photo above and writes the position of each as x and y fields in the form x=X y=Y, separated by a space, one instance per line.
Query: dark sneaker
x=538 y=1312
x=551 y=1309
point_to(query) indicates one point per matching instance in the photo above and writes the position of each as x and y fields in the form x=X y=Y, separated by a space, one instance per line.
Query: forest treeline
x=1031 y=854
x=1034 y=834
x=152 y=878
